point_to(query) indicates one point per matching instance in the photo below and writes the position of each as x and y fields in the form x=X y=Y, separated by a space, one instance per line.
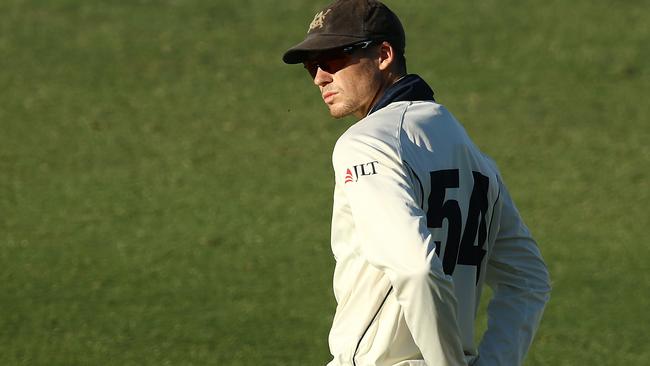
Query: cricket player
x=421 y=217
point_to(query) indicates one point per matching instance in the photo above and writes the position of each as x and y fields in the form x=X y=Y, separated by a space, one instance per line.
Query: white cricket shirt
x=421 y=221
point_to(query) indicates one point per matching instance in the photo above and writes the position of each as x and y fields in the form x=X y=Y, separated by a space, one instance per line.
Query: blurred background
x=165 y=180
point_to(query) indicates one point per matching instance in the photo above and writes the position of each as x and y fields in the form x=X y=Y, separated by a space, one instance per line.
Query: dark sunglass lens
x=336 y=64
x=312 y=68
x=331 y=64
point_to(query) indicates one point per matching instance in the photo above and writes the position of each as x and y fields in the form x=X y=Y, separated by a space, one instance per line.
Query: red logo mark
x=348 y=176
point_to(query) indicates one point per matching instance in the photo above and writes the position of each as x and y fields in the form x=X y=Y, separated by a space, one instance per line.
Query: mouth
x=327 y=96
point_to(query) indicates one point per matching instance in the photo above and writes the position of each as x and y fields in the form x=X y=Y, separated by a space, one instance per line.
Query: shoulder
x=387 y=130
x=425 y=114
x=431 y=125
x=380 y=129
x=376 y=134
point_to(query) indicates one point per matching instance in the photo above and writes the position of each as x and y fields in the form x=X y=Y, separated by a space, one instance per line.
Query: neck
x=389 y=80
x=408 y=88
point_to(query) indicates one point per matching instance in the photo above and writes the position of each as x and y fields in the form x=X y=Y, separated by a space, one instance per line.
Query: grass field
x=165 y=181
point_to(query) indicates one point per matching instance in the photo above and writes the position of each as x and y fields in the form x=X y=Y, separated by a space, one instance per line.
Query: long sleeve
x=521 y=286
x=395 y=239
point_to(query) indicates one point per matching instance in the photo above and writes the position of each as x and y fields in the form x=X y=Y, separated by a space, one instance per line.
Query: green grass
x=165 y=181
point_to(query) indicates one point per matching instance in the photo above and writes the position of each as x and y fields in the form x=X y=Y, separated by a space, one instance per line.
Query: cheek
x=359 y=86
x=366 y=86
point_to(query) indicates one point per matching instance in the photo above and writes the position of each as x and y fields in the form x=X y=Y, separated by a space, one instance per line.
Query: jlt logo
x=352 y=175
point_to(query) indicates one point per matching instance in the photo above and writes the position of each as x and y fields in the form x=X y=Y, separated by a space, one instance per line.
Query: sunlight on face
x=352 y=90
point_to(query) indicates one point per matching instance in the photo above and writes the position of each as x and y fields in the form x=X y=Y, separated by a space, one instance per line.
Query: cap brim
x=317 y=43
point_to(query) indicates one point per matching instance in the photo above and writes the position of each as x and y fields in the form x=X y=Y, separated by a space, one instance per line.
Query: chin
x=338 y=116
x=340 y=112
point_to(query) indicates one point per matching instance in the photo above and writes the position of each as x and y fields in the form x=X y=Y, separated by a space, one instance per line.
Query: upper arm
x=384 y=202
x=515 y=259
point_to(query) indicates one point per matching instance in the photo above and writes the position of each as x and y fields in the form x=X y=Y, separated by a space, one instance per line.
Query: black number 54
x=459 y=248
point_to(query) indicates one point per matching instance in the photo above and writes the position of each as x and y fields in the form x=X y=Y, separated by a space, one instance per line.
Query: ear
x=386 y=56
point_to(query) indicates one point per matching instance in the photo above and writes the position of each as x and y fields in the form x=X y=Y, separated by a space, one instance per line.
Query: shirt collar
x=408 y=88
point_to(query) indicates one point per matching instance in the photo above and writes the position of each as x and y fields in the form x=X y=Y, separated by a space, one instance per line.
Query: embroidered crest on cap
x=318 y=21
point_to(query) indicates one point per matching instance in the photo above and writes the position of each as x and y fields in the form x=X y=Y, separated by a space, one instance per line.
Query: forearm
x=514 y=315
x=430 y=312
x=521 y=284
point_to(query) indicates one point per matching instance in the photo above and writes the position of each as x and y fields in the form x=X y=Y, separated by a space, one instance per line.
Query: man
x=421 y=218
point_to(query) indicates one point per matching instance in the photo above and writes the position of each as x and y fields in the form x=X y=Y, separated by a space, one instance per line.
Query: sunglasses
x=334 y=61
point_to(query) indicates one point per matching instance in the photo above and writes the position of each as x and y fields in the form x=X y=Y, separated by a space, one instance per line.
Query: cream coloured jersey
x=421 y=221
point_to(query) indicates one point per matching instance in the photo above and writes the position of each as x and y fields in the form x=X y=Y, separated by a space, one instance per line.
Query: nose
x=322 y=77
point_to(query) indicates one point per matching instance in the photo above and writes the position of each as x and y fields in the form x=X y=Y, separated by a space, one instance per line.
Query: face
x=349 y=84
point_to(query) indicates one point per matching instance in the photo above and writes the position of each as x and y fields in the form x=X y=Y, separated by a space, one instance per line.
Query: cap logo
x=318 y=21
